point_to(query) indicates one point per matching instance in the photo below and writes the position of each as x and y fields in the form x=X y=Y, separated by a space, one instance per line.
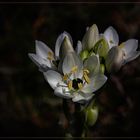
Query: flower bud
x=84 y=54
x=91 y=37
x=91 y=116
x=102 y=47
x=66 y=47
x=114 y=59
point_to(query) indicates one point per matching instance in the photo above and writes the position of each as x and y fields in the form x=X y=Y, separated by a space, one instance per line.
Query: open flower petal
x=40 y=62
x=43 y=50
x=92 y=64
x=99 y=81
x=71 y=61
x=82 y=99
x=59 y=42
x=111 y=36
x=53 y=78
x=89 y=88
x=131 y=57
x=130 y=46
x=96 y=82
x=63 y=92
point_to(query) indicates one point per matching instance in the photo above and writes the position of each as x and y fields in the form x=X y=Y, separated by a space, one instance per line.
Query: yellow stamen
x=50 y=56
x=86 y=71
x=74 y=69
x=86 y=78
x=70 y=85
x=65 y=77
x=80 y=85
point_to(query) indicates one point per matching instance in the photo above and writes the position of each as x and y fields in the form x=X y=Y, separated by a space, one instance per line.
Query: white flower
x=119 y=55
x=78 y=81
x=45 y=58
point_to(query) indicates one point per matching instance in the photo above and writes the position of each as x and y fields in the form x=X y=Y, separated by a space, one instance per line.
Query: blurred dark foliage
x=28 y=106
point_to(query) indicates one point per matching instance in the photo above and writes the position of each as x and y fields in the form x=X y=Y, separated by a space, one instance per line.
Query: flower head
x=118 y=55
x=45 y=58
x=78 y=81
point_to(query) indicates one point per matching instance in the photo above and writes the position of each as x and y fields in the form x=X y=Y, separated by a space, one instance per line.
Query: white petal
x=59 y=42
x=91 y=37
x=66 y=47
x=96 y=82
x=111 y=36
x=99 y=81
x=53 y=78
x=130 y=46
x=81 y=99
x=63 y=92
x=132 y=56
x=114 y=59
x=92 y=64
x=89 y=88
x=78 y=47
x=42 y=49
x=39 y=61
x=71 y=60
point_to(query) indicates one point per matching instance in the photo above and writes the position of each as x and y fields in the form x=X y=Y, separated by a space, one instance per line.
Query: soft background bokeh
x=28 y=106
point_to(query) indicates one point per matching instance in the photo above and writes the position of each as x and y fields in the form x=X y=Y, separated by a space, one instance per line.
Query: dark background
x=28 y=106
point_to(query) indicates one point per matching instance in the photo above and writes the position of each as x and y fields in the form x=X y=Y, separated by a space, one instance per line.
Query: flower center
x=77 y=83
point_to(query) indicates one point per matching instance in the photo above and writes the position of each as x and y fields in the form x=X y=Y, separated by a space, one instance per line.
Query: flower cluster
x=78 y=73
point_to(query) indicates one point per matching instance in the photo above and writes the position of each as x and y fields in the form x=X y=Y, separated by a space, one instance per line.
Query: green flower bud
x=90 y=37
x=84 y=54
x=66 y=47
x=103 y=48
x=91 y=116
x=114 y=59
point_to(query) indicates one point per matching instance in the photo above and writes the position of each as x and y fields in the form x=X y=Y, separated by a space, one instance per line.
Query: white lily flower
x=45 y=58
x=119 y=55
x=77 y=81
x=122 y=54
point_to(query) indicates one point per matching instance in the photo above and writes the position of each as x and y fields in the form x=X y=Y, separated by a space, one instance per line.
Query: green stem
x=76 y=119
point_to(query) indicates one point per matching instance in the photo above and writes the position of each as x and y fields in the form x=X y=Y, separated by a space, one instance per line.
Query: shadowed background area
x=28 y=106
